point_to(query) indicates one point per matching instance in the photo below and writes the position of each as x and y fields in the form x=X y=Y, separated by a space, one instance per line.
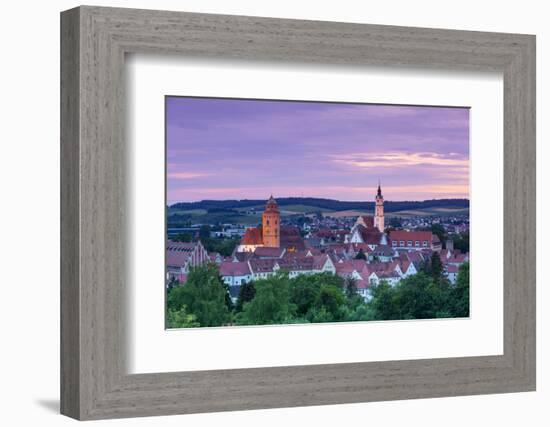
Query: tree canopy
x=203 y=295
x=204 y=300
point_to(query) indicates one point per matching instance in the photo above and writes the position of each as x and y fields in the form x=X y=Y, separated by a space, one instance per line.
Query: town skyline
x=234 y=149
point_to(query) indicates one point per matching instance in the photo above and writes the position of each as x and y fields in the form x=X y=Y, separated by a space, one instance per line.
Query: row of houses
x=387 y=262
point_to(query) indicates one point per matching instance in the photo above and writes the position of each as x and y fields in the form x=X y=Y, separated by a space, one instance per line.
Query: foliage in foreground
x=203 y=295
x=279 y=299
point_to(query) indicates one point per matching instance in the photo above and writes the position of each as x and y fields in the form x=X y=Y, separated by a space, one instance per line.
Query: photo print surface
x=292 y=212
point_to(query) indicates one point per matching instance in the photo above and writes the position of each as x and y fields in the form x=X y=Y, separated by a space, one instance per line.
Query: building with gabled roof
x=412 y=240
x=382 y=253
x=366 y=221
x=181 y=256
x=371 y=236
x=269 y=252
x=451 y=272
x=235 y=273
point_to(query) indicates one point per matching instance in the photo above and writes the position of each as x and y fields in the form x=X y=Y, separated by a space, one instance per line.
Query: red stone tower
x=271 y=224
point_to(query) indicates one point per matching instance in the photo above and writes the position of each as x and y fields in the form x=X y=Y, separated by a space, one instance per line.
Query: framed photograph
x=262 y=213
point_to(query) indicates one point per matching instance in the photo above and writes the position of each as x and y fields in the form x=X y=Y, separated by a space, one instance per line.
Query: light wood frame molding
x=94 y=41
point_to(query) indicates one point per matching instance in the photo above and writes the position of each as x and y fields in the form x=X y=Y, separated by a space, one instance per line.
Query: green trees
x=204 y=301
x=204 y=232
x=436 y=267
x=271 y=303
x=203 y=295
x=246 y=294
x=179 y=318
x=439 y=231
x=182 y=237
x=279 y=299
x=350 y=285
x=462 y=242
x=223 y=246
x=433 y=267
x=328 y=305
x=383 y=302
x=460 y=292
x=422 y=296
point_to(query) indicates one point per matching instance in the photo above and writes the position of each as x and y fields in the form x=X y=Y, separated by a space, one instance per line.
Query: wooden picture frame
x=94 y=382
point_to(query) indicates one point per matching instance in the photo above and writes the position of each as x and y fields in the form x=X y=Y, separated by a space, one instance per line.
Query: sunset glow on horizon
x=221 y=149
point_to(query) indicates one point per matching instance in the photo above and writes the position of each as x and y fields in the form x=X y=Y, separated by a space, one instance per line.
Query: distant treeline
x=335 y=205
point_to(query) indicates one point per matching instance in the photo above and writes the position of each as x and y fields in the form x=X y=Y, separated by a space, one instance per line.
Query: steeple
x=379 y=210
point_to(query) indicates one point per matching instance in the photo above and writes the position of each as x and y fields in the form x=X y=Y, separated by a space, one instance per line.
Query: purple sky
x=247 y=149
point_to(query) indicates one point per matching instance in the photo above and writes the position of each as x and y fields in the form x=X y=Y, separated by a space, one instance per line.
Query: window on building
x=401 y=243
x=394 y=243
x=416 y=243
x=409 y=243
x=425 y=243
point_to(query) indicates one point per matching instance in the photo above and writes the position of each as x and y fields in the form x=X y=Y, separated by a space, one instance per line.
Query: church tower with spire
x=379 y=210
x=271 y=224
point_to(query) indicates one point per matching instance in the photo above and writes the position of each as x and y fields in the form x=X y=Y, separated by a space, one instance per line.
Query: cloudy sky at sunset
x=246 y=149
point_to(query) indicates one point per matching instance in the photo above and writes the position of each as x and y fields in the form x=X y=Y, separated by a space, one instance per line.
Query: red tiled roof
x=452 y=268
x=387 y=274
x=350 y=265
x=242 y=256
x=370 y=235
x=268 y=252
x=415 y=256
x=234 y=269
x=358 y=246
x=383 y=250
x=176 y=259
x=323 y=233
x=382 y=266
x=362 y=284
x=259 y=265
x=337 y=247
x=404 y=265
x=313 y=251
x=181 y=246
x=290 y=238
x=458 y=258
x=296 y=263
x=252 y=236
x=368 y=220
x=410 y=235
x=319 y=261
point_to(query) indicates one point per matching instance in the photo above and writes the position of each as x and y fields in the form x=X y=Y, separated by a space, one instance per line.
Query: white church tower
x=379 y=210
